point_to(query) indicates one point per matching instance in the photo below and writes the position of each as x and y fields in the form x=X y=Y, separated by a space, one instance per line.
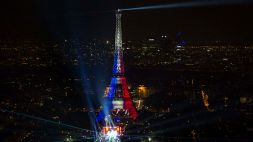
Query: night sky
x=86 y=19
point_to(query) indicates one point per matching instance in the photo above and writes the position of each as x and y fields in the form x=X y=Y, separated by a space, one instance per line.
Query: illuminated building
x=118 y=106
x=138 y=103
x=142 y=91
x=205 y=100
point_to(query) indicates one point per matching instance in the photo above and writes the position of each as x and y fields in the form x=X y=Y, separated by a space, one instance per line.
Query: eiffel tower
x=118 y=104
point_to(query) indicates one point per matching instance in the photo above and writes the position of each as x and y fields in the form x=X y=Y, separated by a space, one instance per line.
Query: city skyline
x=186 y=73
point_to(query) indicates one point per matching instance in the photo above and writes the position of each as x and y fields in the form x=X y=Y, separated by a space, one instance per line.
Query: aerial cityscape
x=118 y=71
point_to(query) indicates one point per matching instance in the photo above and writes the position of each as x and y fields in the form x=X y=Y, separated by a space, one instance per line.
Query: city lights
x=153 y=71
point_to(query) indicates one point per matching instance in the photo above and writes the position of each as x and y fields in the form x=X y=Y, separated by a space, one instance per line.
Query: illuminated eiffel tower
x=118 y=104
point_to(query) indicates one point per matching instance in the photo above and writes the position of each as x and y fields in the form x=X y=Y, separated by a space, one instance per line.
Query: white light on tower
x=112 y=134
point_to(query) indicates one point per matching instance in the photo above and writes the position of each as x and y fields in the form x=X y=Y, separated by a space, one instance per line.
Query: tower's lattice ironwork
x=118 y=103
x=118 y=66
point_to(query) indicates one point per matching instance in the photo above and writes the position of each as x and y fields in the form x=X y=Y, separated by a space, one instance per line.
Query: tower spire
x=118 y=65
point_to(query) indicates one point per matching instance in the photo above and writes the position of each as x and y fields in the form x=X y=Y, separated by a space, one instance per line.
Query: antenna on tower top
x=118 y=11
